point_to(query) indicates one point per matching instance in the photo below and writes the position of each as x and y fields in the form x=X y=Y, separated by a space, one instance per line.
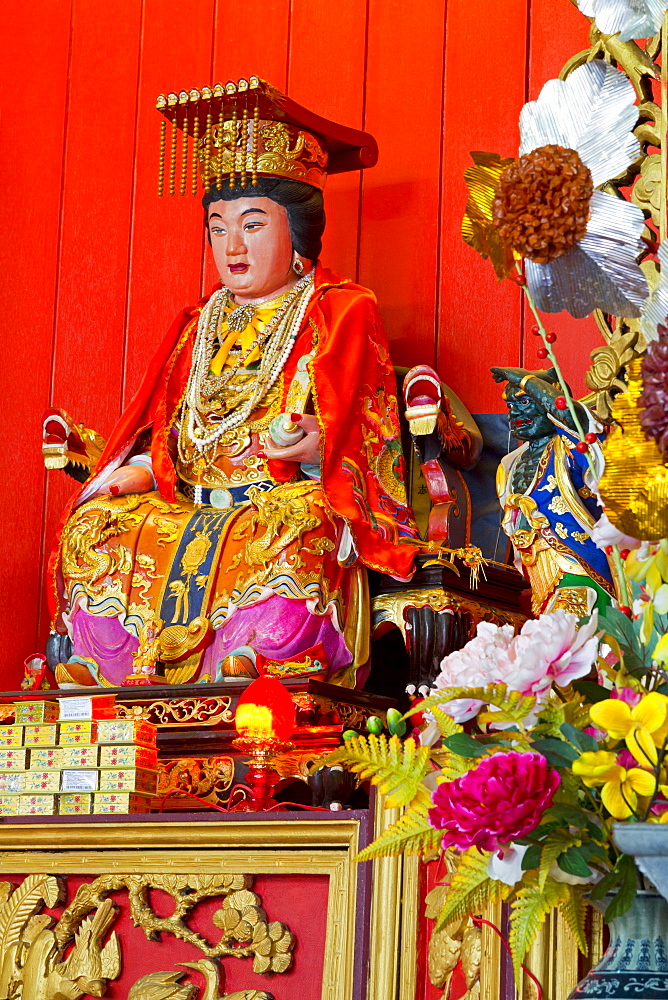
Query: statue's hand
x=306 y=450
x=127 y=479
x=512 y=375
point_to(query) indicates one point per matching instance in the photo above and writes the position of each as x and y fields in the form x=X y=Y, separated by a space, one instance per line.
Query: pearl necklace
x=278 y=337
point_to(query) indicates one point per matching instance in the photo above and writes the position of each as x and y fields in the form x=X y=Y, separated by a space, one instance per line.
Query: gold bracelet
x=524 y=381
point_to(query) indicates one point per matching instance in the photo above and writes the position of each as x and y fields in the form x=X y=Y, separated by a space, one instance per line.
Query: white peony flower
x=627 y=18
x=593 y=113
x=505 y=865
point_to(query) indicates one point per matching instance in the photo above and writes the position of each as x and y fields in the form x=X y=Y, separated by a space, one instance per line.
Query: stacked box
x=79 y=756
x=41 y=782
x=128 y=755
x=33 y=713
x=126 y=731
x=45 y=758
x=121 y=802
x=76 y=709
x=40 y=736
x=78 y=733
x=9 y=805
x=14 y=759
x=11 y=736
x=132 y=779
x=12 y=781
x=36 y=805
x=75 y=804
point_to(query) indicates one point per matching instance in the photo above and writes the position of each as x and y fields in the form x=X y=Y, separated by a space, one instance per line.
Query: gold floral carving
x=390 y=608
x=180 y=711
x=207 y=778
x=32 y=948
x=166 y=986
x=460 y=941
x=33 y=944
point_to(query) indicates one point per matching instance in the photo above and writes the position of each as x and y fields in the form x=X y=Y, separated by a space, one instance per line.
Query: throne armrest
x=446 y=439
x=69 y=446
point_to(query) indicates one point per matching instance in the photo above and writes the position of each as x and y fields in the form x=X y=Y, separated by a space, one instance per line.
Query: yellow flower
x=595 y=767
x=643 y=727
x=621 y=788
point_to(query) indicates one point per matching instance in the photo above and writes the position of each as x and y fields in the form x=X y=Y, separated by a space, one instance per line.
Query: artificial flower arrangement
x=540 y=742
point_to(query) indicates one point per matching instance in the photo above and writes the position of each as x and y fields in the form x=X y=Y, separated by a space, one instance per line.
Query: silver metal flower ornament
x=592 y=113
x=628 y=18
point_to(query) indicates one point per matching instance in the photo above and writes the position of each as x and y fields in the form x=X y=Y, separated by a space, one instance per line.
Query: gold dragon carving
x=37 y=962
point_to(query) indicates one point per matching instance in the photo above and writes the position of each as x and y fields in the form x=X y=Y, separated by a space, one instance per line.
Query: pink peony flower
x=549 y=650
x=478 y=664
x=503 y=799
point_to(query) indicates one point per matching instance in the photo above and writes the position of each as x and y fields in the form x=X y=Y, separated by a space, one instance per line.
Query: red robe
x=354 y=394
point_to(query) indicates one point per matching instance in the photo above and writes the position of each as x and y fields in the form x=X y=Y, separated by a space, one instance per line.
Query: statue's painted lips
x=238 y=268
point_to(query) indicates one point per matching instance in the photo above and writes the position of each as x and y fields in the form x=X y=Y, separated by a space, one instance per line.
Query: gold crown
x=236 y=132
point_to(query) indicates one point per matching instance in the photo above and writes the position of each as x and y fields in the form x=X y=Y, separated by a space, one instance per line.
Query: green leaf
x=554 y=845
x=574 y=911
x=621 y=628
x=397 y=768
x=572 y=862
x=623 y=898
x=606 y=885
x=568 y=814
x=464 y=745
x=592 y=691
x=583 y=741
x=411 y=834
x=471 y=888
x=556 y=752
x=529 y=909
x=531 y=857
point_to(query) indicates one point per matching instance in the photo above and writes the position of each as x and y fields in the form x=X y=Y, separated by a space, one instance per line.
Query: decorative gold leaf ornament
x=478 y=229
x=634 y=486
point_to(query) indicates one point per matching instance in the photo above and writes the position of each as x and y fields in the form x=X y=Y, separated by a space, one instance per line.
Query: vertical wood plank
x=326 y=74
x=249 y=39
x=480 y=320
x=165 y=271
x=400 y=214
x=95 y=229
x=32 y=127
x=559 y=31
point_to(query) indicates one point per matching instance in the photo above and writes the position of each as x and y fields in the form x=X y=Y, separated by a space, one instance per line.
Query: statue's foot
x=236 y=665
x=73 y=675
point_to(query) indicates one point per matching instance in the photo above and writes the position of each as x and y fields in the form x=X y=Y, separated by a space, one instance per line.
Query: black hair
x=302 y=202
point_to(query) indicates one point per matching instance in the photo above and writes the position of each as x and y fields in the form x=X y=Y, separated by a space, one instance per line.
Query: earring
x=298 y=266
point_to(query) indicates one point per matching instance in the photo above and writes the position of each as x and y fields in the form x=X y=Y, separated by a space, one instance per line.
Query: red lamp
x=265 y=720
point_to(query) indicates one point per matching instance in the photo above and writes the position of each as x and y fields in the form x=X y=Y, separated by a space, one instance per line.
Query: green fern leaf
x=446 y=724
x=554 y=844
x=528 y=910
x=471 y=888
x=574 y=910
x=513 y=705
x=398 y=768
x=411 y=834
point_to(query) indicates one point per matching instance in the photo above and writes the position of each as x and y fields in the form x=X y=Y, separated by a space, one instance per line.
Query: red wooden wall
x=95 y=266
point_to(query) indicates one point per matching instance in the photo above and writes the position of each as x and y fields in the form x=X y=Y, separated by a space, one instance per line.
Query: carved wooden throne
x=438 y=610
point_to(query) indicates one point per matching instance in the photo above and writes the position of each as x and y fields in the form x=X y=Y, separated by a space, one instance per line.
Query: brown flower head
x=654 y=397
x=541 y=206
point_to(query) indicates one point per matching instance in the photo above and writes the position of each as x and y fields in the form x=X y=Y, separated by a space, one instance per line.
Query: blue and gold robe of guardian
x=550 y=527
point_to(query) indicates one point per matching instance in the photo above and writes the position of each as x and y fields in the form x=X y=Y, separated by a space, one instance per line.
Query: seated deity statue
x=258 y=472
x=549 y=496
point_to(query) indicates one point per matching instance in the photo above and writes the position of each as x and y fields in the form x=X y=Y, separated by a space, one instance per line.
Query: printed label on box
x=75 y=708
x=79 y=781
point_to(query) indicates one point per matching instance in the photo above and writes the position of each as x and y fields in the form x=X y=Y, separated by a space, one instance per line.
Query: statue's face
x=528 y=420
x=251 y=244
